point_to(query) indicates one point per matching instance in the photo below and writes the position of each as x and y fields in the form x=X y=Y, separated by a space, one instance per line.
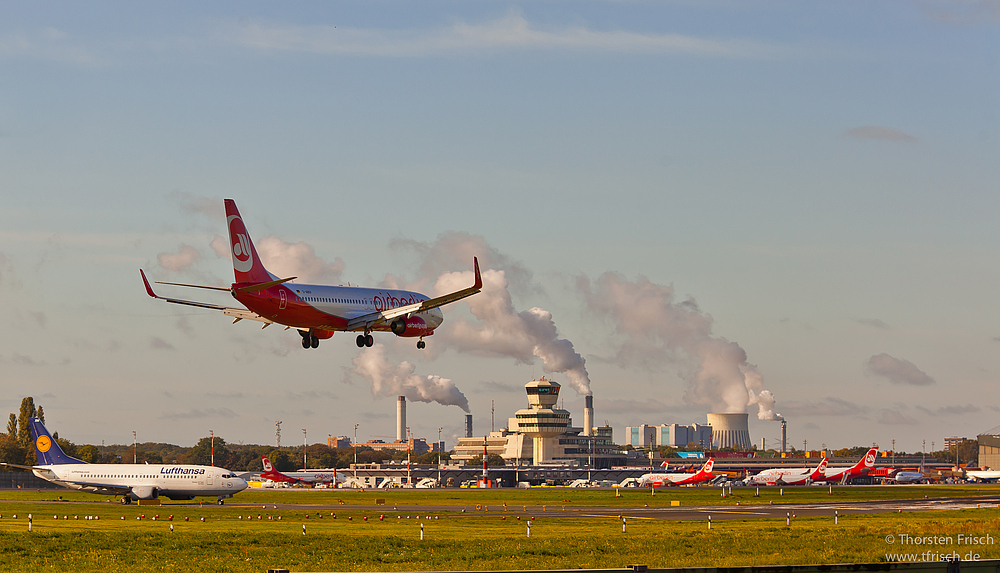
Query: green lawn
x=475 y=540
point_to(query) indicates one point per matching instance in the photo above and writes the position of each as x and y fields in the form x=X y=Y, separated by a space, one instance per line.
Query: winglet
x=479 y=278
x=149 y=289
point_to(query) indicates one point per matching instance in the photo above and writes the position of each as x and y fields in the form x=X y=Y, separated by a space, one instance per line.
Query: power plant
x=730 y=430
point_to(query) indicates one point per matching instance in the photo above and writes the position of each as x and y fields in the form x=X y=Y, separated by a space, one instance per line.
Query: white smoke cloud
x=286 y=259
x=501 y=331
x=658 y=329
x=400 y=380
x=897 y=371
x=179 y=261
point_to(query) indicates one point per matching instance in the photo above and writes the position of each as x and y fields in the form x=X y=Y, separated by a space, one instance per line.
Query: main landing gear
x=365 y=340
x=309 y=340
x=421 y=344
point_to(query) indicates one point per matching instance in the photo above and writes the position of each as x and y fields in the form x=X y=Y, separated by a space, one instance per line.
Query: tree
x=12 y=426
x=41 y=415
x=493 y=460
x=24 y=422
x=201 y=453
x=10 y=450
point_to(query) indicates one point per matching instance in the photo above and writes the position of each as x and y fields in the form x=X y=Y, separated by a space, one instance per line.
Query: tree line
x=16 y=447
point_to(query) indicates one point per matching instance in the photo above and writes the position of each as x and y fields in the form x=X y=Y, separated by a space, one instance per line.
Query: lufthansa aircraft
x=317 y=311
x=131 y=481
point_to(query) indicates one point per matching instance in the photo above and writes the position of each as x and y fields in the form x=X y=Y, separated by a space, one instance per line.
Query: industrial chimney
x=784 y=425
x=401 y=419
x=588 y=415
x=730 y=430
x=468 y=425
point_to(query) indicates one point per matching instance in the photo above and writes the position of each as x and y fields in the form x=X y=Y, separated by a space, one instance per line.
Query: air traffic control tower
x=540 y=420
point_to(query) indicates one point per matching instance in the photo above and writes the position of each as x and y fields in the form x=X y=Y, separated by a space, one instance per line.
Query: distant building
x=953 y=441
x=641 y=436
x=672 y=435
x=542 y=425
x=414 y=445
x=337 y=443
x=989 y=449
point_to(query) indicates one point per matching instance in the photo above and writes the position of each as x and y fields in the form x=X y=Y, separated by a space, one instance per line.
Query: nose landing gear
x=421 y=344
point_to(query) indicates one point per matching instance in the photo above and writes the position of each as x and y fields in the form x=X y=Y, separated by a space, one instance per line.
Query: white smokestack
x=401 y=419
x=588 y=415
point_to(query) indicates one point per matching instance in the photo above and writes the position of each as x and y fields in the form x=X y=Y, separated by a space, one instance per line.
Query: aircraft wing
x=390 y=314
x=237 y=313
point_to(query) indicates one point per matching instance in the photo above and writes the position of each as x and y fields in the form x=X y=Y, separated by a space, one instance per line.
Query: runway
x=698 y=513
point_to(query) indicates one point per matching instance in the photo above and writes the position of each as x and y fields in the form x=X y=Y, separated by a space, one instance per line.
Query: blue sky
x=817 y=181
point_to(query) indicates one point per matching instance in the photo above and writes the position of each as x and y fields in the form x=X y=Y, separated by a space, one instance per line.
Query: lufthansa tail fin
x=246 y=264
x=47 y=450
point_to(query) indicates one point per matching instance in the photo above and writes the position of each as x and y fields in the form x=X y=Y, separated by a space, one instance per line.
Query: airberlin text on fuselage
x=388 y=301
x=176 y=470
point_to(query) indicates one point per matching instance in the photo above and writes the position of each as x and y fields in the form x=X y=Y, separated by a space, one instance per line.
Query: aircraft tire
x=361 y=341
x=314 y=342
x=369 y=340
x=221 y=502
x=305 y=342
x=421 y=344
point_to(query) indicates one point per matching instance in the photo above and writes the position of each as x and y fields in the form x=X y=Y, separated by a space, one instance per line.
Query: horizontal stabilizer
x=262 y=286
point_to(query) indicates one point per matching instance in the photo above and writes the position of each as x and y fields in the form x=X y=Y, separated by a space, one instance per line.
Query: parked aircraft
x=318 y=311
x=788 y=476
x=665 y=479
x=906 y=477
x=861 y=468
x=983 y=475
x=303 y=477
x=131 y=481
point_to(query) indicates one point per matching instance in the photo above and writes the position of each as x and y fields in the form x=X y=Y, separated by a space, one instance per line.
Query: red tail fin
x=246 y=264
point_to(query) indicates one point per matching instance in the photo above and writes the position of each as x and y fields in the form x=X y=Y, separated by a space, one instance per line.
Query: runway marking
x=736 y=512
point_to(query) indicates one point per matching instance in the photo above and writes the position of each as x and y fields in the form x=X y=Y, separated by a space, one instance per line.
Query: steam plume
x=502 y=331
x=658 y=329
x=399 y=380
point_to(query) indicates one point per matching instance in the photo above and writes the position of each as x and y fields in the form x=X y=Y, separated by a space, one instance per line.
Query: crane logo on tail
x=43 y=443
x=242 y=253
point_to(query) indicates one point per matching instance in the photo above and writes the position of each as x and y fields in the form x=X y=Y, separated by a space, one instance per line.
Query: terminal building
x=542 y=435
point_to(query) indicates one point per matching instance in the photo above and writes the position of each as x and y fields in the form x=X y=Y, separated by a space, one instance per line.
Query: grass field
x=474 y=540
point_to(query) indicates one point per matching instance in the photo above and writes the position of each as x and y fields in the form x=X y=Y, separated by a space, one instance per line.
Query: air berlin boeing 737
x=317 y=311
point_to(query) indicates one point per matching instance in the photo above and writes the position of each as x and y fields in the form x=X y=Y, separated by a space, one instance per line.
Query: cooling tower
x=401 y=419
x=730 y=430
x=588 y=416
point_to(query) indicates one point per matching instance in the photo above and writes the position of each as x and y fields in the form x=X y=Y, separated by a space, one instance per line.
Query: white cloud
x=286 y=259
x=511 y=32
x=179 y=261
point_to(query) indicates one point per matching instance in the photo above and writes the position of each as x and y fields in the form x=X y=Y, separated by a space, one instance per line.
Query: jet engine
x=144 y=492
x=410 y=327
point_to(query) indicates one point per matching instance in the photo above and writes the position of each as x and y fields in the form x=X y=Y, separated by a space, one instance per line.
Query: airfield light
x=355 y=451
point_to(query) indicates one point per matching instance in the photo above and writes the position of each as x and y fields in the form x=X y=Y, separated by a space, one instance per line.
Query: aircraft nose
x=241 y=484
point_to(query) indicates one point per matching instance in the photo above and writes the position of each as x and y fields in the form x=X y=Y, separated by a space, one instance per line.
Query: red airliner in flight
x=318 y=311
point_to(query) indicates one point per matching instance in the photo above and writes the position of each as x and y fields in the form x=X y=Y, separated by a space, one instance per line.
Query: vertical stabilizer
x=246 y=264
x=47 y=450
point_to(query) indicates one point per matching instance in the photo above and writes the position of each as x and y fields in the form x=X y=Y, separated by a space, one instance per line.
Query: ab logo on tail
x=242 y=255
